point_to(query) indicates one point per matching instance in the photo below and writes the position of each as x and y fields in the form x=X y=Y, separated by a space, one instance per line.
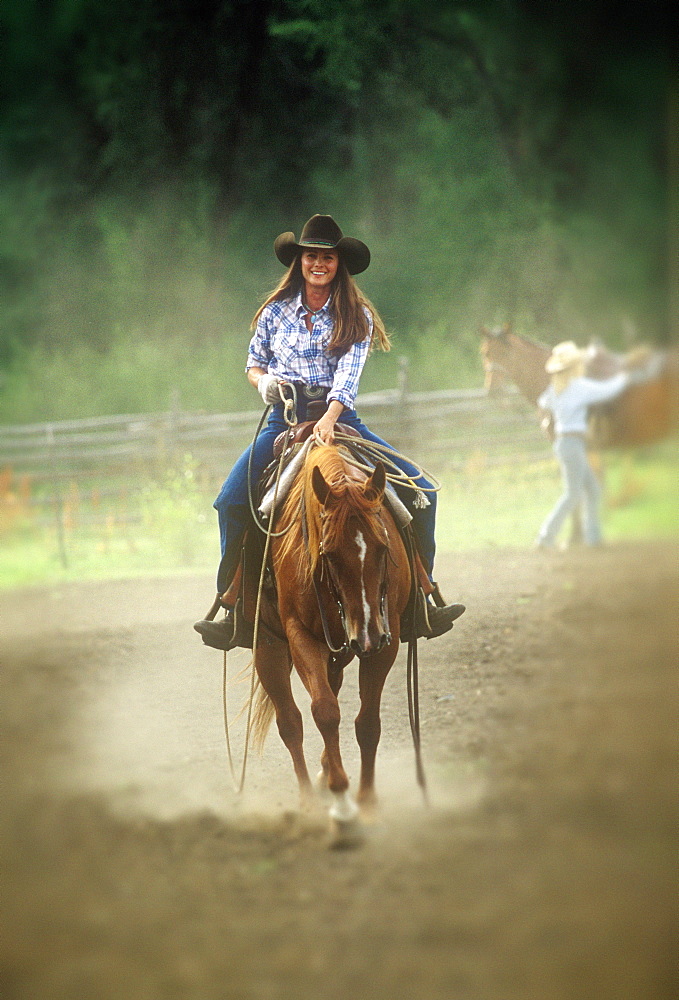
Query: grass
x=505 y=506
x=479 y=508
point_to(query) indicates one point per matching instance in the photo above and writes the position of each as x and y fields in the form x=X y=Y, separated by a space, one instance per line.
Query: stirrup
x=216 y=634
x=216 y=605
x=430 y=620
x=241 y=634
x=433 y=621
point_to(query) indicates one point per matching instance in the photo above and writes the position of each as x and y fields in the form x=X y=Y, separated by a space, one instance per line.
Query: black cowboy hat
x=321 y=232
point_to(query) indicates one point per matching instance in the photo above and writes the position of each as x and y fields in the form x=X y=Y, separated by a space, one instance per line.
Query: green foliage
x=503 y=160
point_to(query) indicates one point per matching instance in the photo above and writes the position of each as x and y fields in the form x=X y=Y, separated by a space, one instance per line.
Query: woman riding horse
x=315 y=330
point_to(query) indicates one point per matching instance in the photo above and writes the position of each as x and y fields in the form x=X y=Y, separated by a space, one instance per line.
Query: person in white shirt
x=568 y=398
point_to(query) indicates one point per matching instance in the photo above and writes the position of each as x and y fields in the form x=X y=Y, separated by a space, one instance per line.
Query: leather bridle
x=327 y=575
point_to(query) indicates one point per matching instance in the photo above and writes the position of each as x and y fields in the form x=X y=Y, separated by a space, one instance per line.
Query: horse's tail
x=263 y=712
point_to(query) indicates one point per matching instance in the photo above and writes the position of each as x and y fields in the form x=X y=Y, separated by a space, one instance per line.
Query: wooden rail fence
x=449 y=423
x=93 y=472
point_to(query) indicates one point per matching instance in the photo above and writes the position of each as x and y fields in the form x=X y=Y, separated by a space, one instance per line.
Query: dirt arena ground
x=545 y=867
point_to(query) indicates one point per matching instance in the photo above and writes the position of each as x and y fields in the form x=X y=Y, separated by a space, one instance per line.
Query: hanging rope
x=290 y=417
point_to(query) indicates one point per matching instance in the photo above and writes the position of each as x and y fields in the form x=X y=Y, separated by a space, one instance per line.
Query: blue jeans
x=233 y=507
x=580 y=486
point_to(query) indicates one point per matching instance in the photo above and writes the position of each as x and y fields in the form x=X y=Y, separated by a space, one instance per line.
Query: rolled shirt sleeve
x=259 y=351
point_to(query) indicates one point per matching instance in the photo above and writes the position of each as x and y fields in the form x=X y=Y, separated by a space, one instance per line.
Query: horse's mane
x=348 y=499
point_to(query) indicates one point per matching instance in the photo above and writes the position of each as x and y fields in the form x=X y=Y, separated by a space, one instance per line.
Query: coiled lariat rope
x=382 y=452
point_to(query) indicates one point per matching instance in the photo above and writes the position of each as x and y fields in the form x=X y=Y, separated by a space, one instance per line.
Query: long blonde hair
x=350 y=325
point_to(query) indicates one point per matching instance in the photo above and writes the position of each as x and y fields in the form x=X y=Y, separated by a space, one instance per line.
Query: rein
x=344 y=648
x=290 y=417
x=412 y=674
x=372 y=451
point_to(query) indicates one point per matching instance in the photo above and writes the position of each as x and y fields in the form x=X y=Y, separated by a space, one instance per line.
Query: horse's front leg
x=273 y=668
x=310 y=657
x=335 y=679
x=372 y=674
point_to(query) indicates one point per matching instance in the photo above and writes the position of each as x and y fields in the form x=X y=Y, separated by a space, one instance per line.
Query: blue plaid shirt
x=283 y=346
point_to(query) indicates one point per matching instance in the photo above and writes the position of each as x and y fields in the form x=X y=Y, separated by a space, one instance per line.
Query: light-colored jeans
x=580 y=487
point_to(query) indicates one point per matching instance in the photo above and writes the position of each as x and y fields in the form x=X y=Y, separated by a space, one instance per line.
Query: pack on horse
x=645 y=412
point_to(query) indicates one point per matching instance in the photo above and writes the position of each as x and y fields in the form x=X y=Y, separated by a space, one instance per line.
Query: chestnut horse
x=645 y=412
x=342 y=581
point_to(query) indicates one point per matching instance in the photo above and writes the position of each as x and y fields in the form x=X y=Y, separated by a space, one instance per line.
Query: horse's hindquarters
x=643 y=414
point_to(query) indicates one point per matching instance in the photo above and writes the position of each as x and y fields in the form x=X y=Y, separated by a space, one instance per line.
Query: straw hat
x=565 y=355
x=321 y=232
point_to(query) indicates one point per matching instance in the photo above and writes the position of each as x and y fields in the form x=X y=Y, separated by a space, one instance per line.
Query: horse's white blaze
x=362 y=549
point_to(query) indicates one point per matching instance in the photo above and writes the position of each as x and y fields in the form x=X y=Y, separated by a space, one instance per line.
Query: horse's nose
x=365 y=649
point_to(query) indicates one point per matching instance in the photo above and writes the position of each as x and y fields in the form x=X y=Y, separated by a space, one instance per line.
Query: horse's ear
x=321 y=488
x=374 y=488
x=484 y=331
x=506 y=328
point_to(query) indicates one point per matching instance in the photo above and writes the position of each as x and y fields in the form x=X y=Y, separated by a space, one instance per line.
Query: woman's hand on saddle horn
x=324 y=430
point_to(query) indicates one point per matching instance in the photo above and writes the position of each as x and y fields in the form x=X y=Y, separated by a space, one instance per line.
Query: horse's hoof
x=346 y=828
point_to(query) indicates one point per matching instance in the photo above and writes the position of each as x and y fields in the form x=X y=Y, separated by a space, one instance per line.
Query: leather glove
x=267 y=387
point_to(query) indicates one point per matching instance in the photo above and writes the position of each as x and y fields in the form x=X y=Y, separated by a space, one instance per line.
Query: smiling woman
x=319 y=268
x=315 y=331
